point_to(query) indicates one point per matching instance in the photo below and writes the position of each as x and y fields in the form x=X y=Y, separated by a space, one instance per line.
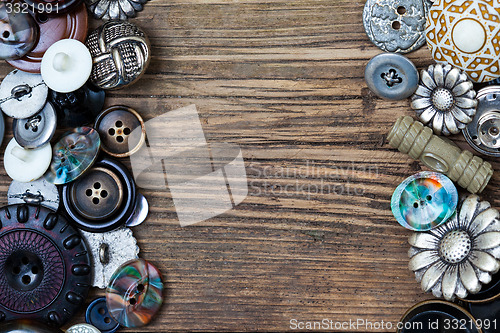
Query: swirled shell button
x=466 y=35
x=18 y=32
x=424 y=201
x=66 y=65
x=26 y=165
x=395 y=26
x=135 y=293
x=121 y=53
x=22 y=94
x=391 y=76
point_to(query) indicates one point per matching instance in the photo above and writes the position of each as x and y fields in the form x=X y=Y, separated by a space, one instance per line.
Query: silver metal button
x=22 y=94
x=82 y=328
x=109 y=250
x=37 y=130
x=396 y=26
x=39 y=191
x=391 y=76
x=483 y=133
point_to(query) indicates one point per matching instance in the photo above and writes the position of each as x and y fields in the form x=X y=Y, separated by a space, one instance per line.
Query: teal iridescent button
x=424 y=201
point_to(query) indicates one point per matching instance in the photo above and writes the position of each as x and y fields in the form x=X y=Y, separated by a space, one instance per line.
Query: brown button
x=52 y=7
x=52 y=29
x=115 y=125
x=98 y=195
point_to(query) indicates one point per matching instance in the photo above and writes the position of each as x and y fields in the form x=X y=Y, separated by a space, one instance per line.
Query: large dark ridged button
x=37 y=260
x=26 y=326
x=102 y=199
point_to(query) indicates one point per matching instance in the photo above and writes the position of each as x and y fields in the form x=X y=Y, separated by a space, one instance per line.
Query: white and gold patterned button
x=466 y=34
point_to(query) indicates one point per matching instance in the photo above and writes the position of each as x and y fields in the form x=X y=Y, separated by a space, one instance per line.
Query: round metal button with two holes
x=22 y=94
x=115 y=125
x=97 y=314
x=37 y=130
x=396 y=26
x=391 y=76
x=103 y=198
x=46 y=271
x=483 y=133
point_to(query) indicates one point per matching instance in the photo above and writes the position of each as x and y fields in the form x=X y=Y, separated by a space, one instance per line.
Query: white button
x=66 y=65
x=26 y=165
x=468 y=35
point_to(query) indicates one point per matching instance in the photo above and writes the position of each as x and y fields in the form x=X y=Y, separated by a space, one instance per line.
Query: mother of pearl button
x=466 y=34
x=26 y=165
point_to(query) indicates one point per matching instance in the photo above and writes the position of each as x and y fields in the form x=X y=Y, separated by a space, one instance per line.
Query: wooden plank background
x=284 y=81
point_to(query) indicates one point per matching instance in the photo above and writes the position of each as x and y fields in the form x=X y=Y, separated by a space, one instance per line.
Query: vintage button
x=82 y=328
x=115 y=9
x=52 y=7
x=445 y=99
x=26 y=165
x=424 y=201
x=78 y=108
x=36 y=192
x=73 y=154
x=391 y=76
x=121 y=53
x=461 y=166
x=489 y=292
x=109 y=250
x=22 y=94
x=103 y=199
x=37 y=130
x=42 y=255
x=436 y=313
x=487 y=315
x=97 y=315
x=140 y=212
x=483 y=132
x=52 y=29
x=135 y=293
x=395 y=26
x=27 y=326
x=115 y=125
x=465 y=34
x=66 y=65
x=19 y=32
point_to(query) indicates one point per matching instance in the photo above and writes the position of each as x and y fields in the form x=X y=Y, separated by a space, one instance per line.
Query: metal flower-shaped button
x=103 y=199
x=66 y=65
x=26 y=165
x=73 y=154
x=465 y=34
x=109 y=251
x=37 y=130
x=22 y=94
x=36 y=192
x=395 y=26
x=135 y=293
x=97 y=315
x=52 y=29
x=46 y=272
x=115 y=125
x=457 y=257
x=121 y=53
x=19 y=32
x=391 y=76
x=424 y=201
x=82 y=328
x=483 y=133
x=115 y=9
x=445 y=99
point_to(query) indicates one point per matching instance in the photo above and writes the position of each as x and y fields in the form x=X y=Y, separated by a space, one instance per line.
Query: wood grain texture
x=284 y=81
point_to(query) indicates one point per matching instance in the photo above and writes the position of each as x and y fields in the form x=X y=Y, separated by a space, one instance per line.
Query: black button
x=97 y=314
x=38 y=278
x=102 y=199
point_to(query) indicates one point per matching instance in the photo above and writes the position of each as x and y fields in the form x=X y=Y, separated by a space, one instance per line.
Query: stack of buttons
x=59 y=82
x=455 y=247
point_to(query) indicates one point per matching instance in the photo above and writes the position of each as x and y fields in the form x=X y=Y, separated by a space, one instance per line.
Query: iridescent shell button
x=465 y=34
x=424 y=201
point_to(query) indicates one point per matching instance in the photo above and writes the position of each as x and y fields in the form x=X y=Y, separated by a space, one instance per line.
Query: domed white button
x=66 y=65
x=26 y=165
x=468 y=35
